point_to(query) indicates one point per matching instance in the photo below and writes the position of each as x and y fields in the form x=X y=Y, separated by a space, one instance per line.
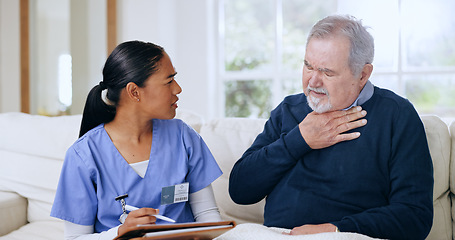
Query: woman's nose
x=177 y=88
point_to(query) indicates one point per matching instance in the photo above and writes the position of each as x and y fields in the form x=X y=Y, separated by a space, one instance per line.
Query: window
x=262 y=45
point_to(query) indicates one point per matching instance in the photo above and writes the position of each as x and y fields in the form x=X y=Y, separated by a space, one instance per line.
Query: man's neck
x=364 y=95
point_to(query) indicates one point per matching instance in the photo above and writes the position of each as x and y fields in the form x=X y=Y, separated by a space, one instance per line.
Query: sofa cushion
x=13 y=212
x=228 y=139
x=42 y=230
x=439 y=143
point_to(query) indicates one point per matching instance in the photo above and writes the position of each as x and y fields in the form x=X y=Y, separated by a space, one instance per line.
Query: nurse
x=130 y=145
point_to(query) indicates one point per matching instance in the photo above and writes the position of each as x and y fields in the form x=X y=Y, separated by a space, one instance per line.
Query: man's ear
x=366 y=73
x=133 y=91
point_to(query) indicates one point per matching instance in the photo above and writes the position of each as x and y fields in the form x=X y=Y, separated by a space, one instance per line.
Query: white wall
x=186 y=29
x=88 y=48
x=9 y=56
x=197 y=57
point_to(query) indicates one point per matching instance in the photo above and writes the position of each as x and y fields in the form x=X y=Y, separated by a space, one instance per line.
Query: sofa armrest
x=13 y=212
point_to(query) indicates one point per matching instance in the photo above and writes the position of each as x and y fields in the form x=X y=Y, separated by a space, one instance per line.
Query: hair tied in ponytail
x=105 y=99
x=103 y=85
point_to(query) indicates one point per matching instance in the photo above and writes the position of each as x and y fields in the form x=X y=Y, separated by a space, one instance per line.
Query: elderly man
x=322 y=167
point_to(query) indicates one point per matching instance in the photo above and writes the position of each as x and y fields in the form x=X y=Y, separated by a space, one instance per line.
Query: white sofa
x=32 y=150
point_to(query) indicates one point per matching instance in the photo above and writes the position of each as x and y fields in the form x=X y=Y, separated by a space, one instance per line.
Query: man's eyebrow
x=326 y=70
x=172 y=75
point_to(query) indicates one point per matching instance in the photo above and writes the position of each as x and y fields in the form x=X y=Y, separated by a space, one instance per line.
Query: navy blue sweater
x=380 y=184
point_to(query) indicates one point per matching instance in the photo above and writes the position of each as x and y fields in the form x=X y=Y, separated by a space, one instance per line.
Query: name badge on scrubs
x=175 y=194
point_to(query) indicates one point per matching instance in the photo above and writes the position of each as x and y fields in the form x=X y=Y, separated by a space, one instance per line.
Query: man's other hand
x=313 y=229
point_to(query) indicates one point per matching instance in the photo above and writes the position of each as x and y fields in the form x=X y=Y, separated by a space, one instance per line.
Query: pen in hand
x=132 y=208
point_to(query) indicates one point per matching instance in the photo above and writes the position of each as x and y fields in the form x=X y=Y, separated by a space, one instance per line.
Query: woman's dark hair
x=132 y=61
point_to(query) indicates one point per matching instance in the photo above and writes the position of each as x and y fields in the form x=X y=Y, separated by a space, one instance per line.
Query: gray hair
x=362 y=43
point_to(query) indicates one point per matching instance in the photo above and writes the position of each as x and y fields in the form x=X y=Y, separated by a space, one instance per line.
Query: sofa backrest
x=228 y=139
x=439 y=142
x=32 y=149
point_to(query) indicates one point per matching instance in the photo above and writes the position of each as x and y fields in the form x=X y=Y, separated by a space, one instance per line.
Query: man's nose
x=316 y=79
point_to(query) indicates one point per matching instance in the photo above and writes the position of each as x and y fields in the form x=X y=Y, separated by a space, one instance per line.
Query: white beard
x=315 y=103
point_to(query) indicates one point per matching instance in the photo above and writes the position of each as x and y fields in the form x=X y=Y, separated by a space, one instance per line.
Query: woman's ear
x=133 y=91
